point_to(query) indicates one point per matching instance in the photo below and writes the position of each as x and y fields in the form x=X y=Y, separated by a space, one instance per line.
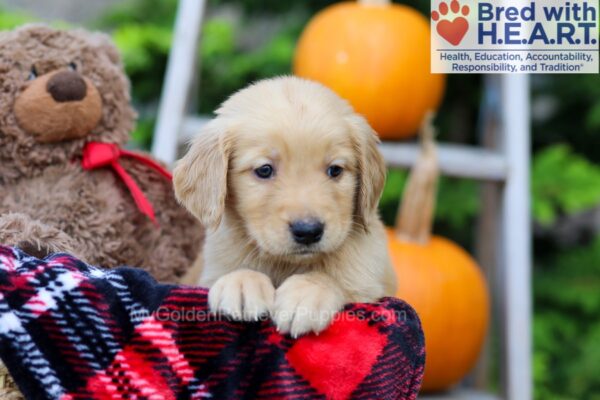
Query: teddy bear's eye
x=72 y=66
x=32 y=74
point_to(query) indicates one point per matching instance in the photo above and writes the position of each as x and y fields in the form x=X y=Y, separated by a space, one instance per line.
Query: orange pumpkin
x=376 y=55
x=439 y=279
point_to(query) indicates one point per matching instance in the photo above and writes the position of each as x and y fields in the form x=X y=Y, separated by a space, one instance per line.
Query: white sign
x=514 y=36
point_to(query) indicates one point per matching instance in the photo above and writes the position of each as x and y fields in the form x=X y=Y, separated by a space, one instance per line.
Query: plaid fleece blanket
x=72 y=331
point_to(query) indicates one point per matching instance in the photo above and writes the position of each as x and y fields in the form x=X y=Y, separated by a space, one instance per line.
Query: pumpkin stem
x=415 y=217
x=374 y=2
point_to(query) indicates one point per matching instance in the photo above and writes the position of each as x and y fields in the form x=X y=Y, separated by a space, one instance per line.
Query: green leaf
x=10 y=19
x=458 y=200
x=218 y=38
x=562 y=182
x=139 y=44
x=593 y=117
x=566 y=325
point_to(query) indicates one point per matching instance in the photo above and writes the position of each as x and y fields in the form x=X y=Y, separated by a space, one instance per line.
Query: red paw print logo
x=453 y=30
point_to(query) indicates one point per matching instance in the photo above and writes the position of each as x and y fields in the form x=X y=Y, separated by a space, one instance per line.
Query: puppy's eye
x=264 y=171
x=72 y=66
x=334 y=171
x=32 y=74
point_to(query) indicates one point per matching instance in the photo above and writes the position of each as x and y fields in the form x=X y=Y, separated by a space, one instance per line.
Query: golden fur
x=251 y=262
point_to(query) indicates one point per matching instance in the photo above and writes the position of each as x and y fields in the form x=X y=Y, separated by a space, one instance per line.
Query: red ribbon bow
x=98 y=155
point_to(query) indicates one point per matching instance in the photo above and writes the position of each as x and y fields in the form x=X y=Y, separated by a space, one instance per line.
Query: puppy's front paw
x=244 y=295
x=306 y=304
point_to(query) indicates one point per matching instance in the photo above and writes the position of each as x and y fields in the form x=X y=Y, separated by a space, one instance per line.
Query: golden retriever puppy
x=287 y=178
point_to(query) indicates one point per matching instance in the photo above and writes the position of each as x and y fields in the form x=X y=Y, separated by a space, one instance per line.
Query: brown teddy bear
x=66 y=184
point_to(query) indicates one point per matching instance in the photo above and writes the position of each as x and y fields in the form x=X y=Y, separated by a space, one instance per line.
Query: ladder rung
x=455 y=160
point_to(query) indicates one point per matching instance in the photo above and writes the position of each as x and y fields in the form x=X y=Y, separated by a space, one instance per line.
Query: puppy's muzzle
x=307 y=231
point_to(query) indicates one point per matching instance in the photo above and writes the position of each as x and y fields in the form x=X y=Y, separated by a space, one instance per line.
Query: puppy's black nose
x=66 y=86
x=307 y=231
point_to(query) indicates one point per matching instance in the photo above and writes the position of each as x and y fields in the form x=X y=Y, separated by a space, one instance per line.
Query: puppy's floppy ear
x=371 y=170
x=200 y=177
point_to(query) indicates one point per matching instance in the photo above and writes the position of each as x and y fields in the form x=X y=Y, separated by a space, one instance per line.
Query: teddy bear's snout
x=60 y=105
x=67 y=86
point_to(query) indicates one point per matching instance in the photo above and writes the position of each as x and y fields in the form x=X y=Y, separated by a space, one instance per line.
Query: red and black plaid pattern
x=72 y=331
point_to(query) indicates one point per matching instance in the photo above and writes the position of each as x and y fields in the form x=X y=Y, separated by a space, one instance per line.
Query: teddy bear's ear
x=101 y=42
x=5 y=37
x=107 y=46
x=7 y=41
x=6 y=81
x=7 y=71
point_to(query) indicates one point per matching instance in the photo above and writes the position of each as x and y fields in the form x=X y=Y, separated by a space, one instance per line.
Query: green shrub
x=567 y=324
x=10 y=20
x=562 y=183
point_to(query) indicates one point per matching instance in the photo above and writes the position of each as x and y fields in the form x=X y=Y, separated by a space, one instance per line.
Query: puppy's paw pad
x=243 y=295
x=303 y=306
